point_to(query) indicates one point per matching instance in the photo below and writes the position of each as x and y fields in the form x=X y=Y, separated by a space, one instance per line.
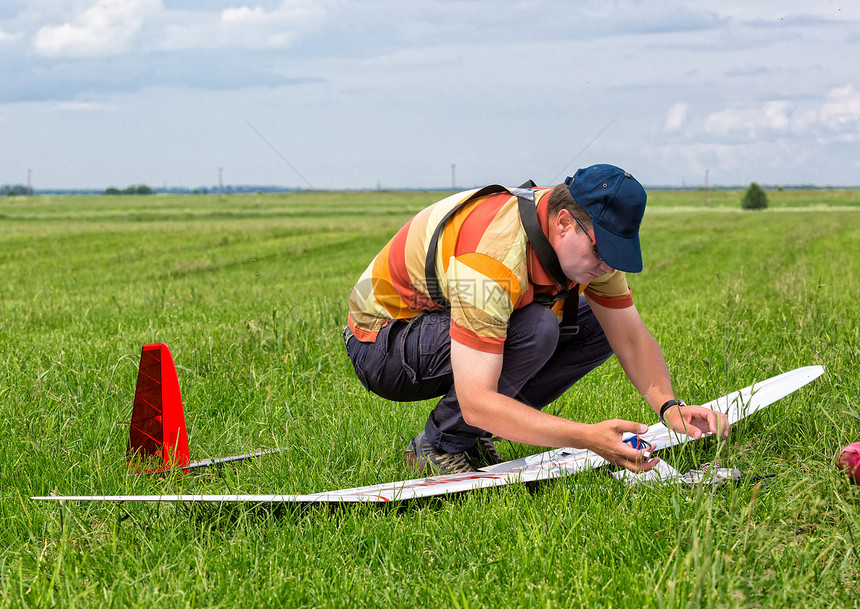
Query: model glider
x=158 y=440
x=543 y=466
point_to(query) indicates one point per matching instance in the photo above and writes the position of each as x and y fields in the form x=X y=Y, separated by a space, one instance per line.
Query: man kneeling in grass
x=499 y=300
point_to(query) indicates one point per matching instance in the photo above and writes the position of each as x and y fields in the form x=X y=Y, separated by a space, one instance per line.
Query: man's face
x=575 y=250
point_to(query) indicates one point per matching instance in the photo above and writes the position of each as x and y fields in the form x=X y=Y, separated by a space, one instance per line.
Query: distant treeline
x=143 y=189
x=13 y=190
x=140 y=189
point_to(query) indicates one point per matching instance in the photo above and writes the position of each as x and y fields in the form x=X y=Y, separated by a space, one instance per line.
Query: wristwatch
x=667 y=406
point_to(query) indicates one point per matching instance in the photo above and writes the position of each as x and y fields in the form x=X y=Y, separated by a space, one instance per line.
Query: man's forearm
x=517 y=422
x=638 y=353
x=645 y=366
x=476 y=377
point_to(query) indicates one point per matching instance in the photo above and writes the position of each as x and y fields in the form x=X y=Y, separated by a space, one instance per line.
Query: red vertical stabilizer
x=158 y=435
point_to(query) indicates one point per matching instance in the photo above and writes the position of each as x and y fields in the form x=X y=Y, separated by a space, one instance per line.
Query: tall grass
x=249 y=293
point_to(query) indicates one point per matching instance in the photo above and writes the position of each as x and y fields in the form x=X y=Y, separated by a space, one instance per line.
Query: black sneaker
x=422 y=455
x=484 y=452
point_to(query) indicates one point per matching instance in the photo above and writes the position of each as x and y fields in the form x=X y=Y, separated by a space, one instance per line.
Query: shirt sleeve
x=611 y=291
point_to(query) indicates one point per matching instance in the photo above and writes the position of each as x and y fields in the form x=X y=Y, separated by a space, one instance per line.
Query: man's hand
x=696 y=421
x=604 y=438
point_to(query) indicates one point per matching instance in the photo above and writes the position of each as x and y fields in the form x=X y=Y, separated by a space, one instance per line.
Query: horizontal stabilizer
x=231 y=459
x=213 y=461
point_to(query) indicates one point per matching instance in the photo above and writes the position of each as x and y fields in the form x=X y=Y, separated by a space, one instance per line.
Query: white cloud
x=724 y=122
x=85 y=107
x=278 y=28
x=676 y=116
x=771 y=116
x=7 y=37
x=776 y=115
x=835 y=118
x=842 y=108
x=245 y=27
x=243 y=16
x=105 y=28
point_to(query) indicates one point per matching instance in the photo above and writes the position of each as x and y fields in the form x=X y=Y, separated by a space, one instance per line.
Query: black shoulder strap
x=540 y=244
x=537 y=239
x=548 y=259
x=430 y=277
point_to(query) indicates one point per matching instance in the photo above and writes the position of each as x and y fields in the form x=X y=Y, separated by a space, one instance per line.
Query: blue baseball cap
x=616 y=203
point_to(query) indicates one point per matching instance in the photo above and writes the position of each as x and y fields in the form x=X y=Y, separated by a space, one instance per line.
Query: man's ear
x=563 y=221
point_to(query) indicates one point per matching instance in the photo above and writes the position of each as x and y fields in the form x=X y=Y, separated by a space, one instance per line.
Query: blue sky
x=360 y=94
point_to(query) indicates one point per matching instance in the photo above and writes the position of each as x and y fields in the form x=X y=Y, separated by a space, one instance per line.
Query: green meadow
x=249 y=292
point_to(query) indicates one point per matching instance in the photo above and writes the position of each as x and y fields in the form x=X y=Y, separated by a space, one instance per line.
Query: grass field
x=249 y=292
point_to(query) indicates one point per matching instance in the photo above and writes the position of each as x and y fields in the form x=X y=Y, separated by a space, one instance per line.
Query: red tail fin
x=157 y=419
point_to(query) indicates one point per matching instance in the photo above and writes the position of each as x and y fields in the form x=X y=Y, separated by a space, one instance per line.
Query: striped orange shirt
x=485 y=267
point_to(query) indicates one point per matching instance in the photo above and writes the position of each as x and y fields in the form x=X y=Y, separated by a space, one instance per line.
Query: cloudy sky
x=392 y=93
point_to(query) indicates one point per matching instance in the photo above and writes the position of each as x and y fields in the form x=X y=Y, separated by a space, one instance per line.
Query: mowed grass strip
x=250 y=294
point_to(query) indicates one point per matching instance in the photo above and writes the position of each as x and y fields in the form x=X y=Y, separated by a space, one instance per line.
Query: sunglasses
x=590 y=236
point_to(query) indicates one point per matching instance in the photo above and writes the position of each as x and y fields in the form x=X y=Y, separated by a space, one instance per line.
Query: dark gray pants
x=412 y=361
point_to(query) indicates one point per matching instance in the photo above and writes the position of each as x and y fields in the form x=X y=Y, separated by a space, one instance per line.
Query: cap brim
x=620 y=253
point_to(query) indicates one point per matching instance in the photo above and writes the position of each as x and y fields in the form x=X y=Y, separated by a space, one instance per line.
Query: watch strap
x=666 y=406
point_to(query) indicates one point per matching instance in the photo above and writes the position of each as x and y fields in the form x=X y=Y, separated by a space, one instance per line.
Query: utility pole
x=220 y=186
x=706 y=187
x=453 y=177
x=29 y=182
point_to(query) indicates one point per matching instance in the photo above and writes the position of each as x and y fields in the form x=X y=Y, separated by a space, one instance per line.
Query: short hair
x=560 y=198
